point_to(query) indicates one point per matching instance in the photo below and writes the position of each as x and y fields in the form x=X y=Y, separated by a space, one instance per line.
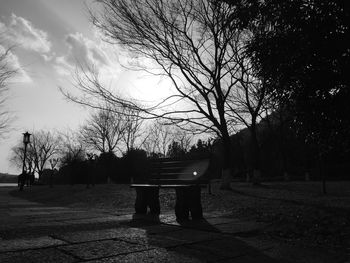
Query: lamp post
x=26 y=140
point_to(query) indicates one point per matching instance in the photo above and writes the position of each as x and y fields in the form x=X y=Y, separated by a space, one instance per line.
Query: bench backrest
x=175 y=171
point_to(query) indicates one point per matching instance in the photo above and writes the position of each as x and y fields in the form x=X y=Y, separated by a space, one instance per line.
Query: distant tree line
x=103 y=149
x=68 y=159
x=109 y=168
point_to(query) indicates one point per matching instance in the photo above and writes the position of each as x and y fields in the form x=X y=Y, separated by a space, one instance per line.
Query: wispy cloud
x=82 y=52
x=19 y=31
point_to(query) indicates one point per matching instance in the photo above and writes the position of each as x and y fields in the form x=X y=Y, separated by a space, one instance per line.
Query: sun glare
x=147 y=88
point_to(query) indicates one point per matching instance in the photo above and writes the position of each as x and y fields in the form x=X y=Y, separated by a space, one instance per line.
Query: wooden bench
x=187 y=177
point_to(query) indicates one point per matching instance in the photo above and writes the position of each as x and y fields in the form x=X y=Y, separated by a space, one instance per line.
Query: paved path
x=32 y=232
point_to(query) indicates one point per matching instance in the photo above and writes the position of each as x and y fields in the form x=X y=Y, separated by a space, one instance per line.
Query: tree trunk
x=256 y=156
x=282 y=148
x=227 y=165
x=39 y=175
x=322 y=171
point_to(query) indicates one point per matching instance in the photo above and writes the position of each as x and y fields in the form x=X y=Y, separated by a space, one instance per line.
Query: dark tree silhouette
x=302 y=50
x=72 y=149
x=175 y=150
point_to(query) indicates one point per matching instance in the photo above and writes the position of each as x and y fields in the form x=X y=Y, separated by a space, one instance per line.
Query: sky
x=50 y=39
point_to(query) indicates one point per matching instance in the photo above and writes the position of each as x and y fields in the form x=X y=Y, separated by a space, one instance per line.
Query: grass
x=295 y=211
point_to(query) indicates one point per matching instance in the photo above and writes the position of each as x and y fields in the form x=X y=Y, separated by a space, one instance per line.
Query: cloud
x=62 y=67
x=49 y=57
x=19 y=31
x=85 y=53
x=11 y=62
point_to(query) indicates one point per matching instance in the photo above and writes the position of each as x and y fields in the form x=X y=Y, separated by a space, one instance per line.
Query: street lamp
x=26 y=140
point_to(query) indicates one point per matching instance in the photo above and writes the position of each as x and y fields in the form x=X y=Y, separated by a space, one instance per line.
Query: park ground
x=294 y=213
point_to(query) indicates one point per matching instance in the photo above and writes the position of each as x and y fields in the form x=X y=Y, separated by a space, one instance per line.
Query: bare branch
x=6 y=73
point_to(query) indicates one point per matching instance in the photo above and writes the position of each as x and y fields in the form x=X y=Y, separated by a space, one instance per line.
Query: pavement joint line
x=187 y=243
x=77 y=219
x=59 y=238
x=194 y=228
x=33 y=248
x=119 y=254
x=70 y=254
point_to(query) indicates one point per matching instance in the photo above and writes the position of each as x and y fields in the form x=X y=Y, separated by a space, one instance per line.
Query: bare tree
x=104 y=131
x=72 y=149
x=132 y=122
x=160 y=135
x=158 y=138
x=194 y=43
x=44 y=145
x=5 y=74
x=184 y=138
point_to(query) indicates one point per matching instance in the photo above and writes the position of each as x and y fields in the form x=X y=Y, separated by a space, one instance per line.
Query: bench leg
x=141 y=201
x=188 y=201
x=153 y=200
x=195 y=204
x=147 y=197
x=181 y=206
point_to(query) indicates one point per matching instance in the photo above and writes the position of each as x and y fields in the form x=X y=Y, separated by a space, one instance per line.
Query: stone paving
x=31 y=232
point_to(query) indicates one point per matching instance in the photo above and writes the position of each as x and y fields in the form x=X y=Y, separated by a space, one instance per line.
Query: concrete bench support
x=188 y=202
x=147 y=197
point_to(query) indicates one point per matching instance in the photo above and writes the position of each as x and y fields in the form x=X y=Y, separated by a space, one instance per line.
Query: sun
x=147 y=88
